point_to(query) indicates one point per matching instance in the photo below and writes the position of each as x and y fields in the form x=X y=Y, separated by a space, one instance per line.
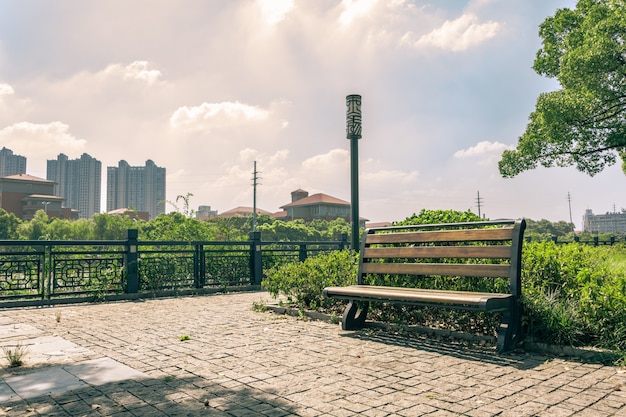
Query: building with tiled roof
x=317 y=206
x=23 y=195
x=242 y=212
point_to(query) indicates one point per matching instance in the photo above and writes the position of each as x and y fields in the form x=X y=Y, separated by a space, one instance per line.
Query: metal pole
x=353 y=133
x=354 y=194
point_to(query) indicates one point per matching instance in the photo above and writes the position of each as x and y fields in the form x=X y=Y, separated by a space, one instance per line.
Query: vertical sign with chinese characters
x=353 y=116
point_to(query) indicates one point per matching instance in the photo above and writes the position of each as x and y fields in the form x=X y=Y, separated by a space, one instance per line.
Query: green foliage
x=575 y=294
x=438 y=217
x=9 y=224
x=583 y=124
x=544 y=229
x=35 y=229
x=176 y=226
x=303 y=282
x=299 y=230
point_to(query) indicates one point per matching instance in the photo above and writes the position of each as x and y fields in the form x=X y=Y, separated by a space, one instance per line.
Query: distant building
x=242 y=212
x=139 y=188
x=317 y=206
x=604 y=223
x=23 y=195
x=11 y=164
x=78 y=181
x=205 y=212
x=133 y=214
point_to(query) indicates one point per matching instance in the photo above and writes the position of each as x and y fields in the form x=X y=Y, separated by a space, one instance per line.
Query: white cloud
x=481 y=149
x=274 y=11
x=37 y=140
x=136 y=70
x=207 y=116
x=331 y=159
x=389 y=177
x=455 y=35
x=6 y=89
x=353 y=9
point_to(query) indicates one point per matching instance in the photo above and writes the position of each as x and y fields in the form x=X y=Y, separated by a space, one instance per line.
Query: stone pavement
x=128 y=359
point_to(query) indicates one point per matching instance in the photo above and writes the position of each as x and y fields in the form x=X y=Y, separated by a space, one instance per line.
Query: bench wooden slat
x=485 y=252
x=481 y=301
x=461 y=270
x=501 y=234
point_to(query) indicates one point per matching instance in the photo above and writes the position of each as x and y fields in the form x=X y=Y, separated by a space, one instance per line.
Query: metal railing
x=50 y=271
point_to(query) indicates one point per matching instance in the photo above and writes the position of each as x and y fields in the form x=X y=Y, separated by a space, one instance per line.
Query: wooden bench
x=480 y=250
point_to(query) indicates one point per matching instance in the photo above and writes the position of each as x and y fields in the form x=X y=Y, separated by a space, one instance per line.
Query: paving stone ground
x=129 y=360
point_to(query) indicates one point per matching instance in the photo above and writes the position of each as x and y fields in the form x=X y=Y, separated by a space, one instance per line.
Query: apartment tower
x=78 y=181
x=139 y=188
x=11 y=164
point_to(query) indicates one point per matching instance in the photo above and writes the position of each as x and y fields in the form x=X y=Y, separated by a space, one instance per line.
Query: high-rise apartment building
x=11 y=164
x=78 y=182
x=141 y=188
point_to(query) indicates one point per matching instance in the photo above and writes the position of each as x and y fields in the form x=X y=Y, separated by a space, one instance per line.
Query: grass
x=15 y=356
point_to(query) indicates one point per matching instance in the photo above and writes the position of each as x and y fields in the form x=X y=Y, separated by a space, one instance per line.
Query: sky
x=206 y=87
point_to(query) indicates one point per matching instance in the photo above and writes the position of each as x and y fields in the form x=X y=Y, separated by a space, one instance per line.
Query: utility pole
x=569 y=202
x=255 y=179
x=478 y=202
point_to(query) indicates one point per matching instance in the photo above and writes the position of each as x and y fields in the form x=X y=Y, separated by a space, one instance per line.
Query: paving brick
x=241 y=362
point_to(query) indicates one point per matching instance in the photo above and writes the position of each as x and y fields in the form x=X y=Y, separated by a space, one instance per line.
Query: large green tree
x=584 y=123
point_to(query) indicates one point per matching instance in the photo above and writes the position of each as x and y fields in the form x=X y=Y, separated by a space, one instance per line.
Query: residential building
x=139 y=188
x=317 y=206
x=242 y=212
x=78 y=182
x=205 y=212
x=133 y=214
x=604 y=223
x=11 y=164
x=23 y=195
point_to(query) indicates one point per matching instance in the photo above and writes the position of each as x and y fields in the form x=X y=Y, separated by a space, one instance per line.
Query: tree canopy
x=584 y=123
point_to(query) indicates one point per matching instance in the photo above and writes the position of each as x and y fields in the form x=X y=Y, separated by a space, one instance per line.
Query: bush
x=303 y=282
x=575 y=294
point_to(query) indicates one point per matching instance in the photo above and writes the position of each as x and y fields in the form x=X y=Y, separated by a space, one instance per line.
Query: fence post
x=130 y=261
x=343 y=241
x=199 y=272
x=302 y=252
x=595 y=241
x=256 y=258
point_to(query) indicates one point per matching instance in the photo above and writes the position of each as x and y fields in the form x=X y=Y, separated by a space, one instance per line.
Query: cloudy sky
x=206 y=87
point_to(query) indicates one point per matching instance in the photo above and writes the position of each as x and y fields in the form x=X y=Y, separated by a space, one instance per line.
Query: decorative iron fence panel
x=31 y=270
x=21 y=272
x=226 y=264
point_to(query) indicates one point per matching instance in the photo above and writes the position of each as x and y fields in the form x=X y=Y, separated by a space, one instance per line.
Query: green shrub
x=303 y=282
x=574 y=294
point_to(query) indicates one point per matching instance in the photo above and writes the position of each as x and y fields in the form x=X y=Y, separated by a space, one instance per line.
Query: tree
x=439 y=216
x=9 y=223
x=584 y=123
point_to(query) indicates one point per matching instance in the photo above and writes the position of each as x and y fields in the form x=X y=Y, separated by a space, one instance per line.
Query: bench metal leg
x=509 y=333
x=354 y=315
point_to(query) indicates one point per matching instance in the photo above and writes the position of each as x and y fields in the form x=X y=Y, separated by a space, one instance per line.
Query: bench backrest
x=484 y=249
